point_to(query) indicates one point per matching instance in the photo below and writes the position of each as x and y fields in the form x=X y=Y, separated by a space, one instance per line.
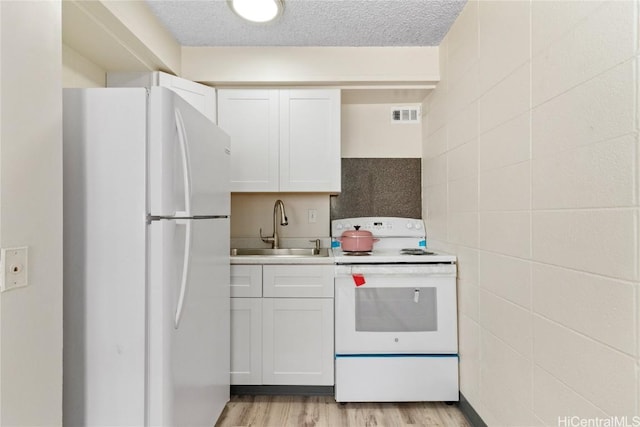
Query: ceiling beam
x=390 y=67
x=119 y=36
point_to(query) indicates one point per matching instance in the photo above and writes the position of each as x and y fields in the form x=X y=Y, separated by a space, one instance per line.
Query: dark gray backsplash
x=379 y=187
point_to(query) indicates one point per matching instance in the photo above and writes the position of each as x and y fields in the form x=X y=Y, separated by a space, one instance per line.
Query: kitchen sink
x=286 y=252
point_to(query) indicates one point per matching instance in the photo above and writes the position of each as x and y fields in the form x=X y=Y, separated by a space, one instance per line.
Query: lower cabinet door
x=246 y=341
x=297 y=341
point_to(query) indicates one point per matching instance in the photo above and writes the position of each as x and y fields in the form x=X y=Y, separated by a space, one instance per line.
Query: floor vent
x=405 y=114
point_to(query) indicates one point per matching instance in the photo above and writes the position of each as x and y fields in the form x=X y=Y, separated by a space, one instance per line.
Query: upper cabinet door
x=250 y=117
x=310 y=140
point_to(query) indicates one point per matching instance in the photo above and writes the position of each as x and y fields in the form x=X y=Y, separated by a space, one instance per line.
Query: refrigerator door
x=188 y=160
x=105 y=238
x=189 y=363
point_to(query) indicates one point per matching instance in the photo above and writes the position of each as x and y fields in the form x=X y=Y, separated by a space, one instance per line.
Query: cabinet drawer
x=298 y=281
x=246 y=281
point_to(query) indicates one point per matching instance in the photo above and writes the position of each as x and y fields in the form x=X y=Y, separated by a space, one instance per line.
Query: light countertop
x=258 y=259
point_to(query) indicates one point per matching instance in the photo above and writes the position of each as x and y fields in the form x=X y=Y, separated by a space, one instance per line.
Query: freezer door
x=188 y=159
x=189 y=339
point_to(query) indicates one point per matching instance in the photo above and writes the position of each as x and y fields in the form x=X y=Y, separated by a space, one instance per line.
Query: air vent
x=405 y=114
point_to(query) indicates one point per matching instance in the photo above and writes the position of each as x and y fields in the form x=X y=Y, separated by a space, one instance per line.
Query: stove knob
x=409 y=225
x=418 y=226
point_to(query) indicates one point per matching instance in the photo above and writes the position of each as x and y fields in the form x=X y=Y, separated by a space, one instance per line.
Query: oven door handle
x=382 y=270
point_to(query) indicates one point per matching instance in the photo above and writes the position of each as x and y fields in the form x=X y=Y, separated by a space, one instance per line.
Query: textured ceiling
x=312 y=23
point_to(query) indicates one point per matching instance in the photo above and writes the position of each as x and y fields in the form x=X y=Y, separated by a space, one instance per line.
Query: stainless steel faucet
x=274 y=239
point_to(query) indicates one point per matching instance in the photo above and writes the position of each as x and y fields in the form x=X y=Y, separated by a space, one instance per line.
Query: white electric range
x=395 y=316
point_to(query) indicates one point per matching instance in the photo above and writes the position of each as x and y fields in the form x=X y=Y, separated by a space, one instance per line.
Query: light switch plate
x=313 y=216
x=13 y=268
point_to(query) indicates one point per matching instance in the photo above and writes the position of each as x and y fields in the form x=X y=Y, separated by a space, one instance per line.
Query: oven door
x=396 y=309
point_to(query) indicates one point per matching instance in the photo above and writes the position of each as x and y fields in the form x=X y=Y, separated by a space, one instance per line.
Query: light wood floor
x=323 y=411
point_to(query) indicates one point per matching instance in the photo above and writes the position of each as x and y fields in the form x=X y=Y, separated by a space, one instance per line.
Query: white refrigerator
x=146 y=260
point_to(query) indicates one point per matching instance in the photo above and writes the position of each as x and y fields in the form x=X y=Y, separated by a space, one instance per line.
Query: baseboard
x=291 y=390
x=470 y=414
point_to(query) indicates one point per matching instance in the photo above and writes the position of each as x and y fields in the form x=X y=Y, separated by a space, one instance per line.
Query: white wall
x=31 y=211
x=367 y=131
x=119 y=35
x=78 y=71
x=252 y=211
x=531 y=178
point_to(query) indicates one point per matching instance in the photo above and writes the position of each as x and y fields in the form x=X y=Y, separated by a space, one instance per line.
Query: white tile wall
x=540 y=106
x=468 y=299
x=552 y=400
x=600 y=41
x=469 y=352
x=506 y=232
x=597 y=110
x=463 y=228
x=468 y=267
x=506 y=382
x=463 y=91
x=506 y=277
x=499 y=56
x=436 y=217
x=506 y=100
x=506 y=144
x=595 y=306
x=516 y=333
x=598 y=175
x=506 y=189
x=463 y=161
x=464 y=195
x=438 y=144
x=597 y=372
x=463 y=125
x=435 y=171
x=598 y=241
x=436 y=110
x=550 y=21
x=463 y=42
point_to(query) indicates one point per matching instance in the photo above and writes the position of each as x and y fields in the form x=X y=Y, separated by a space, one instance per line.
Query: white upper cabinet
x=250 y=117
x=282 y=140
x=310 y=140
x=202 y=97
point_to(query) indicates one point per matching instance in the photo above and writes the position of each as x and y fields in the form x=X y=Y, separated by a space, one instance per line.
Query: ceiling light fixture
x=260 y=11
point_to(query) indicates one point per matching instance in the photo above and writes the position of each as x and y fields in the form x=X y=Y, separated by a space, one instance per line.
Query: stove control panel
x=380 y=226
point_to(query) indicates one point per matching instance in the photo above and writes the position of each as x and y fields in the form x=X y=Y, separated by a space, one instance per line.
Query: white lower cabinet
x=246 y=340
x=297 y=341
x=282 y=340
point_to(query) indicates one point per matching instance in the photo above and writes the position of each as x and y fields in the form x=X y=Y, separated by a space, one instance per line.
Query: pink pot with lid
x=357 y=240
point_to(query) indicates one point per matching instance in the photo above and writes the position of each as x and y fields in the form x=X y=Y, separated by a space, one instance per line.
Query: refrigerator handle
x=186 y=166
x=185 y=271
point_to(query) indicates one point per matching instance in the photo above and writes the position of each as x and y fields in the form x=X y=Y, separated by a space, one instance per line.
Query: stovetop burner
x=401 y=241
x=415 y=251
x=357 y=253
